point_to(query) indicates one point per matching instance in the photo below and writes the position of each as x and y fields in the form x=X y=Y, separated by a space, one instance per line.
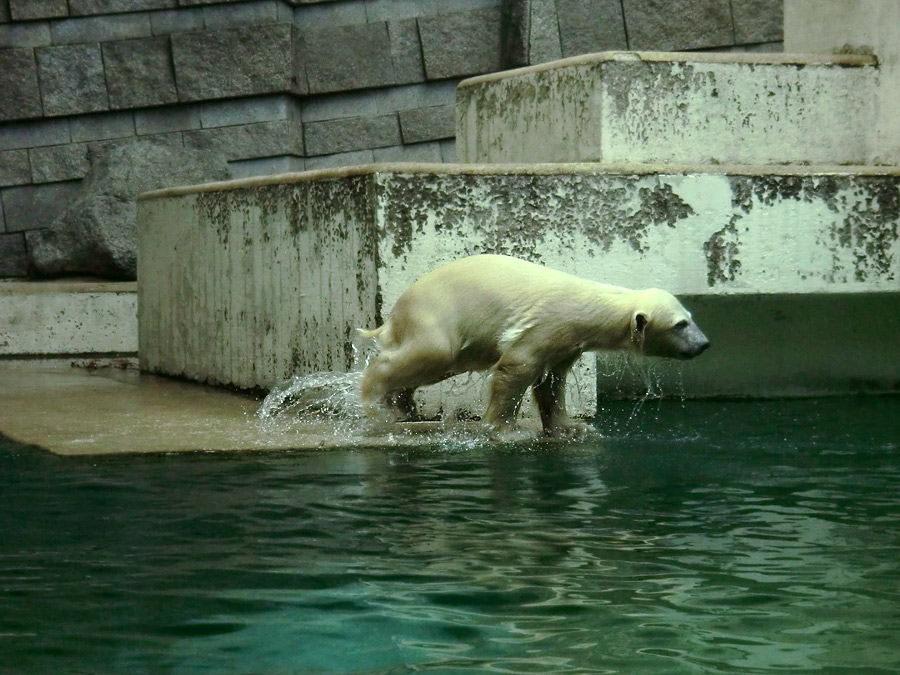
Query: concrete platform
x=42 y=318
x=112 y=411
x=651 y=107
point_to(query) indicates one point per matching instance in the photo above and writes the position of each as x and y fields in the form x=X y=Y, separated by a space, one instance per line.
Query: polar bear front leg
x=512 y=375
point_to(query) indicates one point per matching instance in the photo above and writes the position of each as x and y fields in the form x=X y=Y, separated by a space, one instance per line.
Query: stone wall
x=104 y=99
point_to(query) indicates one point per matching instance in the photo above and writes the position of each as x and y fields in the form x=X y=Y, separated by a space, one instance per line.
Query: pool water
x=700 y=537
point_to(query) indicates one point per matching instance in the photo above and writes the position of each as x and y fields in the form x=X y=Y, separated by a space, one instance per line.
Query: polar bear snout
x=692 y=342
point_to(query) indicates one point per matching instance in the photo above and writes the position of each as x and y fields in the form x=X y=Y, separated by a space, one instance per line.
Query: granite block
x=420 y=152
x=216 y=17
x=332 y=66
x=35 y=207
x=689 y=24
x=83 y=7
x=246 y=141
x=177 y=21
x=30 y=10
x=15 y=168
x=355 y=133
x=248 y=111
x=428 y=124
x=588 y=26
x=758 y=21
x=461 y=43
x=101 y=28
x=139 y=73
x=56 y=163
x=36 y=34
x=13 y=256
x=72 y=79
x=406 y=51
x=17 y=135
x=234 y=62
x=102 y=127
x=168 y=119
x=21 y=98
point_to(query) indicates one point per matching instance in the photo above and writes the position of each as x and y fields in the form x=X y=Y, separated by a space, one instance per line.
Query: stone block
x=266 y=166
x=264 y=139
x=72 y=79
x=101 y=28
x=588 y=26
x=4 y=13
x=335 y=106
x=56 y=163
x=688 y=24
x=13 y=257
x=448 y=151
x=83 y=7
x=355 y=133
x=34 y=207
x=313 y=16
x=168 y=119
x=461 y=43
x=139 y=73
x=249 y=111
x=36 y=34
x=216 y=17
x=406 y=51
x=21 y=98
x=757 y=21
x=544 y=33
x=29 y=10
x=235 y=62
x=102 y=127
x=428 y=124
x=14 y=167
x=331 y=66
x=15 y=135
x=657 y=107
x=427 y=153
x=185 y=20
x=341 y=159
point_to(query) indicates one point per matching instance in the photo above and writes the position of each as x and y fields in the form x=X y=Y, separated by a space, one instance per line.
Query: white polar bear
x=526 y=323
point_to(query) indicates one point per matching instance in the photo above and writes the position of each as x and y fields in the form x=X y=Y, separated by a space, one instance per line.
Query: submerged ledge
x=78 y=411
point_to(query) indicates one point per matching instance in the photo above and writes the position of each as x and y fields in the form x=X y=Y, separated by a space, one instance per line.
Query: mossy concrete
x=247 y=283
x=649 y=107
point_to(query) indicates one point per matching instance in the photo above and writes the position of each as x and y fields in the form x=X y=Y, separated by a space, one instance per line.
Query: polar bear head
x=661 y=326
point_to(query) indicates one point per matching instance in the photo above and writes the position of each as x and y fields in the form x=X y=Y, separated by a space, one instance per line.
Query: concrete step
x=247 y=283
x=54 y=318
x=650 y=107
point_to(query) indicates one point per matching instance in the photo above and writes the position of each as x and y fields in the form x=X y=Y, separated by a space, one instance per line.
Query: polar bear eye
x=681 y=325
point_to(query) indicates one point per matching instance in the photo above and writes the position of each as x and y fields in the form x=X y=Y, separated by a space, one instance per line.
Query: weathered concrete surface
x=856 y=26
x=236 y=279
x=653 y=107
x=78 y=411
x=67 y=317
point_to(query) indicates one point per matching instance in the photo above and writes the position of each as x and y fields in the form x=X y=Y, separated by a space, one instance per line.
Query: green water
x=695 y=538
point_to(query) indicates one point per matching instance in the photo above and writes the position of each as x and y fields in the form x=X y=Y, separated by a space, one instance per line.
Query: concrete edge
x=750 y=58
x=15 y=287
x=573 y=168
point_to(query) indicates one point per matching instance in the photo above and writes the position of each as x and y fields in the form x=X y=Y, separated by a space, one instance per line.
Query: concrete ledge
x=674 y=107
x=249 y=282
x=67 y=317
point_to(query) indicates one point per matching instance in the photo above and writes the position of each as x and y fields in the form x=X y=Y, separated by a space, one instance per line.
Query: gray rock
x=72 y=79
x=21 y=97
x=95 y=234
x=80 y=7
x=406 y=51
x=234 y=62
x=31 y=207
x=672 y=26
x=588 y=26
x=461 y=43
x=139 y=73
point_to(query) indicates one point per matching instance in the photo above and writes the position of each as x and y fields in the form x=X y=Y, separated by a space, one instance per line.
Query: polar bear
x=526 y=323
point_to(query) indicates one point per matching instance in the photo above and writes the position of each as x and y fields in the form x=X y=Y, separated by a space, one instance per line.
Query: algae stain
x=721 y=251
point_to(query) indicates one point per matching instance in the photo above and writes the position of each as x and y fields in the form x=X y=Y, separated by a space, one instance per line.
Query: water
x=695 y=538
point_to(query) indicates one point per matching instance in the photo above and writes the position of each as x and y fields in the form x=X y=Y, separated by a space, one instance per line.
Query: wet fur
x=525 y=323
